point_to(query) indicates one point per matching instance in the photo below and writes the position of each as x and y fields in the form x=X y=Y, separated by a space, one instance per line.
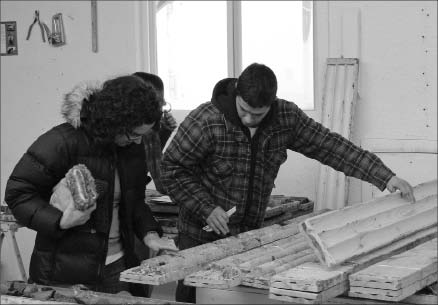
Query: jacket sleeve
x=180 y=168
x=144 y=221
x=29 y=187
x=315 y=141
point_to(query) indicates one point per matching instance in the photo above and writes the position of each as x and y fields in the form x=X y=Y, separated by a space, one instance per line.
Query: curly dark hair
x=257 y=85
x=123 y=104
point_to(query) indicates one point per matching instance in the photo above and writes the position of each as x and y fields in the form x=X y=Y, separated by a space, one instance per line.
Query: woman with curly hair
x=103 y=130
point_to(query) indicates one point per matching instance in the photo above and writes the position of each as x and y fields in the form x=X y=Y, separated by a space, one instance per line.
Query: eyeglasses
x=167 y=107
x=133 y=136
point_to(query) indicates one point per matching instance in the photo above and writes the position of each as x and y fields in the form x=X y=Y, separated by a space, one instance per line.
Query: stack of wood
x=15 y=292
x=398 y=277
x=353 y=238
x=260 y=276
x=255 y=267
x=165 y=212
x=170 y=267
x=280 y=208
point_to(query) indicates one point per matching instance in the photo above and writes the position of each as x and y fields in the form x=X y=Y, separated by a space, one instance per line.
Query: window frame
x=148 y=42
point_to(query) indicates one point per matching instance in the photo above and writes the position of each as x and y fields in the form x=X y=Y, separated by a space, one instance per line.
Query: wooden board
x=307 y=297
x=310 y=277
x=356 y=230
x=317 y=278
x=338 y=104
x=215 y=277
x=304 y=209
x=393 y=295
x=262 y=278
x=257 y=265
x=398 y=277
x=166 y=268
x=414 y=299
x=279 y=209
x=275 y=200
x=247 y=295
x=41 y=294
x=254 y=267
x=9 y=299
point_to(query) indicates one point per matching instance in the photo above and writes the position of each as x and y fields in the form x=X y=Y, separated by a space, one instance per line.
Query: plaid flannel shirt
x=208 y=163
x=154 y=143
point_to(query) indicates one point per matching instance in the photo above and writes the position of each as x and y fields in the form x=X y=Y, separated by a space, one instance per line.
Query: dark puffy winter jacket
x=77 y=255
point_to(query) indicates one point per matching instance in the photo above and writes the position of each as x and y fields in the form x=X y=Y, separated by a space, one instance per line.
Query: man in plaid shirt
x=227 y=153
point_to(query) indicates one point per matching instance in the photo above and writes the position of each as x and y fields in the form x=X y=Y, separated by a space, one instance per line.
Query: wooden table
x=250 y=295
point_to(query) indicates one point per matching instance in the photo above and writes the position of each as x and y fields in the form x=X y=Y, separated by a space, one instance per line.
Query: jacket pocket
x=222 y=172
x=78 y=256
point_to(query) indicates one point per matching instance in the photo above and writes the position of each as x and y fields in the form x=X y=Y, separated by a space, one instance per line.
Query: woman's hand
x=156 y=243
x=168 y=121
x=73 y=217
x=63 y=200
x=61 y=197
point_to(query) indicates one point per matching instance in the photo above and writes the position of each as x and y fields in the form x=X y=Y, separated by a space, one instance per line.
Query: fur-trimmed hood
x=73 y=101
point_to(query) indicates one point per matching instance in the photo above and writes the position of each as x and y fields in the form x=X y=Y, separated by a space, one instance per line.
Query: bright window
x=202 y=42
x=274 y=33
x=191 y=50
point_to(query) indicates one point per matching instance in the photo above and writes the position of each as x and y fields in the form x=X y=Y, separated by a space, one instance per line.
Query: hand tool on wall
x=57 y=38
x=94 y=25
x=42 y=25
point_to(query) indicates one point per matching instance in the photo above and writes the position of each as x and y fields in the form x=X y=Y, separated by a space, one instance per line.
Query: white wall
x=32 y=83
x=386 y=36
x=397 y=81
x=396 y=42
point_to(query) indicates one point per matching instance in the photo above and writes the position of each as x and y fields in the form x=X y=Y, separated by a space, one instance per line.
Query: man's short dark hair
x=153 y=79
x=257 y=85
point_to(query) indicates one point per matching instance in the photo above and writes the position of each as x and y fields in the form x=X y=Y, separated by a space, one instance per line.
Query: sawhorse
x=8 y=227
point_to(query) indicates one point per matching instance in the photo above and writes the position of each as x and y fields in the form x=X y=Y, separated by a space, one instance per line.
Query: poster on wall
x=8 y=45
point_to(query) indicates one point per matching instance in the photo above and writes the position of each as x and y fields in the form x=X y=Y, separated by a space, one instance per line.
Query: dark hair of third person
x=257 y=85
x=155 y=80
x=123 y=104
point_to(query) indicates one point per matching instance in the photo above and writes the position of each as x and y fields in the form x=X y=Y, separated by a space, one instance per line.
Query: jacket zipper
x=253 y=150
x=111 y=197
